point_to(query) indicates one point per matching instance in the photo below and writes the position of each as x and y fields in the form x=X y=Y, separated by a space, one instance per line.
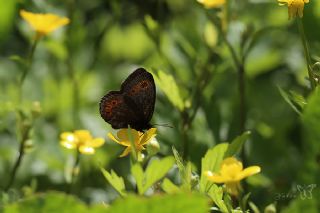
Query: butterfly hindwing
x=115 y=111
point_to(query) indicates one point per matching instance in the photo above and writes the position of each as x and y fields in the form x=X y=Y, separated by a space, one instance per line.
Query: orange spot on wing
x=143 y=85
x=112 y=104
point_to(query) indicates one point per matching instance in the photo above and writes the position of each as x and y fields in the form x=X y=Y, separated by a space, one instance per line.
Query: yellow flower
x=81 y=140
x=140 y=139
x=231 y=173
x=295 y=7
x=212 y=3
x=43 y=24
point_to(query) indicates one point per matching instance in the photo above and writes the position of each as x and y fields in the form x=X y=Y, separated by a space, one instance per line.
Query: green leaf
x=52 y=202
x=311 y=136
x=253 y=207
x=186 y=203
x=216 y=194
x=178 y=158
x=156 y=170
x=116 y=182
x=296 y=101
x=228 y=202
x=138 y=175
x=187 y=177
x=237 y=144
x=19 y=60
x=169 y=187
x=211 y=162
x=170 y=88
x=244 y=201
x=184 y=171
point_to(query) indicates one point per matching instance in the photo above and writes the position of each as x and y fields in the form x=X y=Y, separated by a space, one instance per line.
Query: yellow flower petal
x=83 y=135
x=68 y=136
x=68 y=140
x=216 y=178
x=140 y=139
x=123 y=135
x=96 y=142
x=232 y=171
x=123 y=143
x=68 y=144
x=230 y=167
x=111 y=136
x=147 y=136
x=125 y=152
x=44 y=23
x=295 y=7
x=82 y=140
x=212 y=3
x=87 y=150
x=252 y=170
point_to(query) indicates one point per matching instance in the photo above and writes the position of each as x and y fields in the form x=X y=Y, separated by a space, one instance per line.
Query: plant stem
x=71 y=70
x=241 y=82
x=74 y=171
x=134 y=153
x=75 y=92
x=184 y=130
x=187 y=118
x=306 y=53
x=14 y=170
x=242 y=102
x=24 y=131
x=27 y=67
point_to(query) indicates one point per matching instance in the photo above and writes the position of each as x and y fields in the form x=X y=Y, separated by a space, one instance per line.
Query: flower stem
x=306 y=53
x=242 y=101
x=74 y=170
x=27 y=66
x=24 y=130
x=239 y=64
x=186 y=123
x=71 y=5
x=14 y=170
x=241 y=74
x=134 y=155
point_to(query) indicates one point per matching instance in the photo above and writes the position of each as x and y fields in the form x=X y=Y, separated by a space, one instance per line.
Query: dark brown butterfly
x=133 y=105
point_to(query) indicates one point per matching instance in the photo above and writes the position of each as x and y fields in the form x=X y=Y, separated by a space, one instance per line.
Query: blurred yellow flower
x=231 y=173
x=43 y=24
x=140 y=139
x=212 y=3
x=81 y=140
x=295 y=7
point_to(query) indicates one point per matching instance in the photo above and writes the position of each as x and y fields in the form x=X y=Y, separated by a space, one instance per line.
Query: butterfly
x=133 y=105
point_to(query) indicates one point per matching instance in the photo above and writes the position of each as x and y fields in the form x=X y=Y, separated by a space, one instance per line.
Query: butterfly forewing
x=133 y=105
x=140 y=89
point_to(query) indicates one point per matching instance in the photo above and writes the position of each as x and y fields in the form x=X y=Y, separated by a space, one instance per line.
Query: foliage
x=234 y=79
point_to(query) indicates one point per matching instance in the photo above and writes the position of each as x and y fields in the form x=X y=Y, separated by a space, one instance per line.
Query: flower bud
x=36 y=109
x=153 y=147
x=28 y=145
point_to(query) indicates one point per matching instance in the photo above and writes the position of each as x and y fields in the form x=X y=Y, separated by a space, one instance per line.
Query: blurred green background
x=107 y=40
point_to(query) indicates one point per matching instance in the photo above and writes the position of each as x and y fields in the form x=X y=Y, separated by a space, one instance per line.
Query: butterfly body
x=133 y=105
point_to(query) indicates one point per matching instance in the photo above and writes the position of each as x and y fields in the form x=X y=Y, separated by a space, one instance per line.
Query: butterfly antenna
x=163 y=125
